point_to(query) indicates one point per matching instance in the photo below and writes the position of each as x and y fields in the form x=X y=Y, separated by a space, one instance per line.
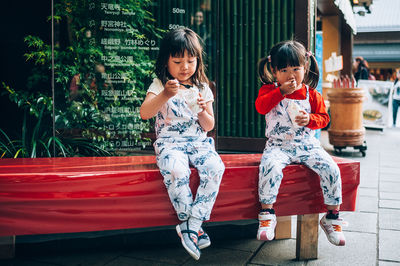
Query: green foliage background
x=81 y=122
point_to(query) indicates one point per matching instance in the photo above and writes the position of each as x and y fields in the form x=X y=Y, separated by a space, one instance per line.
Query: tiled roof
x=385 y=16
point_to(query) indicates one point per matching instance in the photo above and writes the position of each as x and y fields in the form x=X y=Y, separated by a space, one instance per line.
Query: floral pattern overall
x=288 y=144
x=182 y=141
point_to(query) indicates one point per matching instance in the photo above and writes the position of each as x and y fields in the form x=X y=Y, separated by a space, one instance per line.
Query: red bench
x=65 y=195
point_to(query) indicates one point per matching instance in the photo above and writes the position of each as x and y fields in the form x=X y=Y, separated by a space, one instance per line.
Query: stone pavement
x=373 y=234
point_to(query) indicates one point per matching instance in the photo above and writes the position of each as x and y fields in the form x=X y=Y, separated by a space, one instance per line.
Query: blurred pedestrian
x=361 y=70
x=396 y=97
x=199 y=25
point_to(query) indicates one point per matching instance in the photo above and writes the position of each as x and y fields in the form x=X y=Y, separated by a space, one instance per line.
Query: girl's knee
x=214 y=166
x=174 y=173
x=218 y=166
x=216 y=171
x=268 y=167
x=180 y=172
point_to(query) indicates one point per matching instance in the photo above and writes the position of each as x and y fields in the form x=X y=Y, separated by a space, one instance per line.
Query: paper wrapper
x=191 y=96
x=293 y=110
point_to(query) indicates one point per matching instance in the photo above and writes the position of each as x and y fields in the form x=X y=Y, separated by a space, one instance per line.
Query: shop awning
x=389 y=52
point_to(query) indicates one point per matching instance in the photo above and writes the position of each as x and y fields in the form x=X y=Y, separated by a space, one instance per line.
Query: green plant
x=37 y=140
x=85 y=95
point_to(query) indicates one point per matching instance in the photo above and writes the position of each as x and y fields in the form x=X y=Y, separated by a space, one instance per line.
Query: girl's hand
x=171 y=88
x=288 y=87
x=303 y=119
x=202 y=103
x=206 y=116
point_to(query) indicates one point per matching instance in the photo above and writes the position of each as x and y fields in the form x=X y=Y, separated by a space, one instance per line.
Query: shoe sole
x=263 y=237
x=191 y=253
x=341 y=242
x=205 y=245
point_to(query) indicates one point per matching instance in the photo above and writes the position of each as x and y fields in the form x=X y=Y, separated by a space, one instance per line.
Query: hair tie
x=308 y=53
x=269 y=58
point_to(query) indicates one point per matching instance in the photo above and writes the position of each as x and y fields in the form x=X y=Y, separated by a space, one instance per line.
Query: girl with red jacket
x=293 y=109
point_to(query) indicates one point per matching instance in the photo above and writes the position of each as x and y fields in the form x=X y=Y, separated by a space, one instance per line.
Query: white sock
x=195 y=224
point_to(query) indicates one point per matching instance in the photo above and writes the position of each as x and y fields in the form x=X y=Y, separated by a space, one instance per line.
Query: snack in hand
x=191 y=95
x=293 y=110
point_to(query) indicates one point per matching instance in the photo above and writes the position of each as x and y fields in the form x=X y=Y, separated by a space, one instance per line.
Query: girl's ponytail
x=313 y=72
x=263 y=72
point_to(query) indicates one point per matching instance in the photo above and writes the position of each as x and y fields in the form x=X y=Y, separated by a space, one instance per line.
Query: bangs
x=181 y=43
x=288 y=56
x=174 y=44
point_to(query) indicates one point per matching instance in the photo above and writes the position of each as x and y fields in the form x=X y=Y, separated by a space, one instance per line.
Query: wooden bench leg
x=307 y=236
x=7 y=247
x=283 y=227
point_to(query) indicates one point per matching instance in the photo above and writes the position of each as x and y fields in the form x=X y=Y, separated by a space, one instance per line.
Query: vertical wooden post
x=346 y=48
x=307 y=236
x=283 y=227
x=303 y=20
x=7 y=247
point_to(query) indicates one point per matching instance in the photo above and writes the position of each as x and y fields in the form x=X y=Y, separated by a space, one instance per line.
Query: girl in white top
x=181 y=100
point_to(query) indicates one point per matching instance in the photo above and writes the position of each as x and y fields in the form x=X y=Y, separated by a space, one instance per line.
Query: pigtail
x=263 y=72
x=313 y=72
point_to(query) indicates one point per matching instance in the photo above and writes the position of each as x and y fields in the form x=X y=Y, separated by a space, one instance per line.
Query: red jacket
x=269 y=96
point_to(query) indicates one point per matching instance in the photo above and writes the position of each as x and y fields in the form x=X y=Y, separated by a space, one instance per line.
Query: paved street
x=372 y=235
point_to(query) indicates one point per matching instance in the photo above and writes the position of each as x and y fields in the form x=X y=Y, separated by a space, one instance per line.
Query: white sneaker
x=203 y=240
x=188 y=239
x=266 y=226
x=333 y=230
